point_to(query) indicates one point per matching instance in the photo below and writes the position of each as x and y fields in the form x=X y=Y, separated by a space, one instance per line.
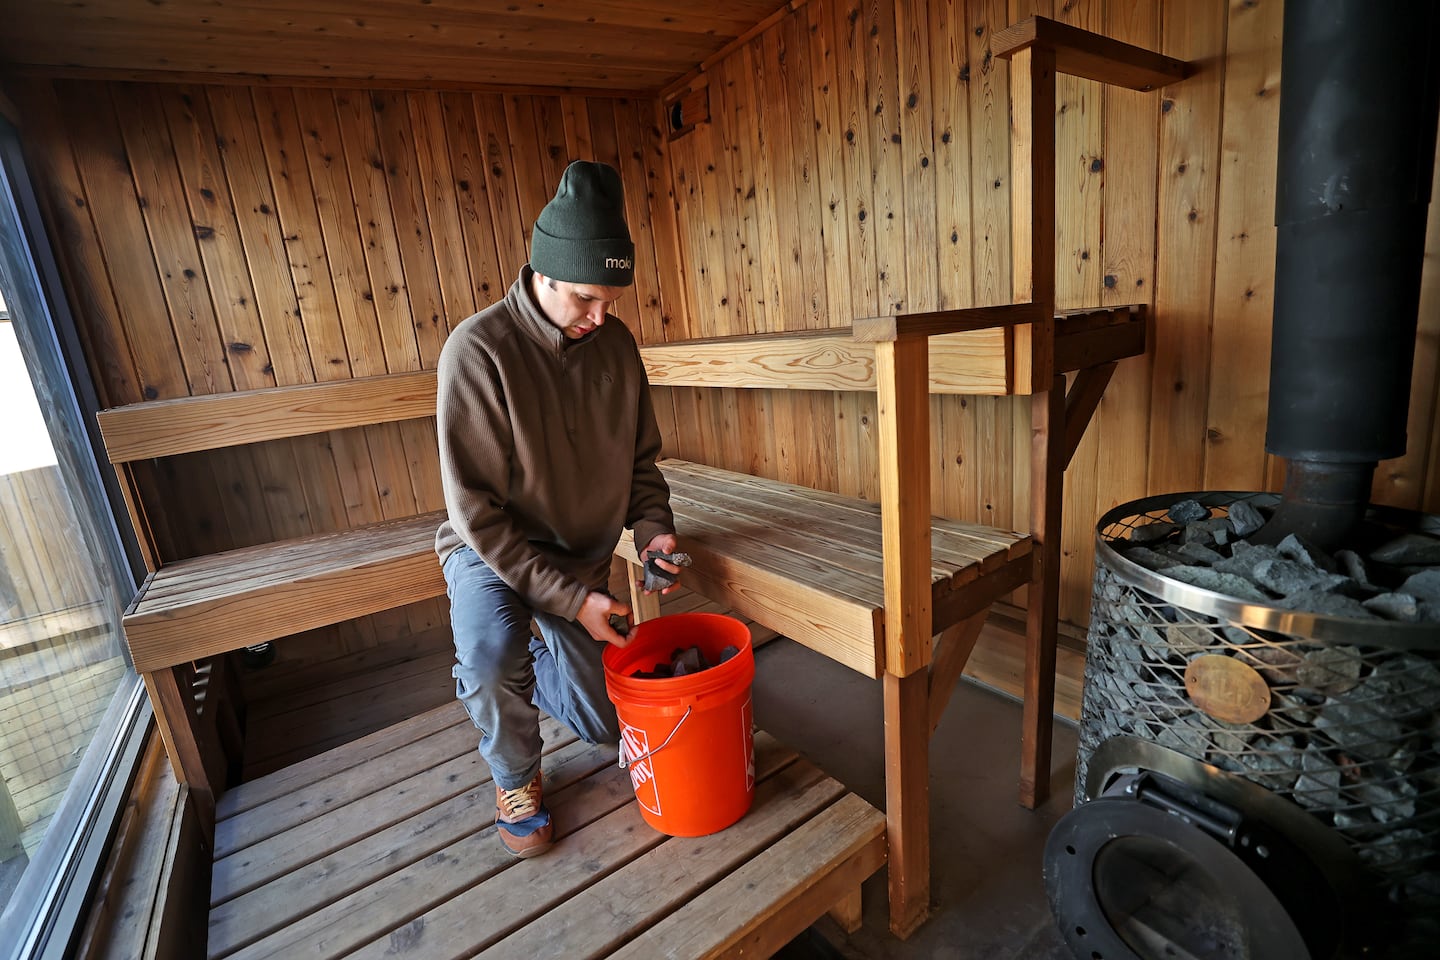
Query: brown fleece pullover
x=547 y=449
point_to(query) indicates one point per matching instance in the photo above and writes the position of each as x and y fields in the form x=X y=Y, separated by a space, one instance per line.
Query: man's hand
x=595 y=615
x=663 y=543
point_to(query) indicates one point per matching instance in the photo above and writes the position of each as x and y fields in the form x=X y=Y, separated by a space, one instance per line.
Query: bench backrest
x=162 y=428
x=969 y=362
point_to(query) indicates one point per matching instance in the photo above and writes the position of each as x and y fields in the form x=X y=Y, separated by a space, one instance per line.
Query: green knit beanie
x=581 y=236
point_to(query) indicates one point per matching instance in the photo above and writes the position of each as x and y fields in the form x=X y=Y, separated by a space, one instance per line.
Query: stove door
x=1151 y=870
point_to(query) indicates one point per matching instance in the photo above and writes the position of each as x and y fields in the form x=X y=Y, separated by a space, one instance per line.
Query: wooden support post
x=1047 y=418
x=904 y=407
x=172 y=715
x=643 y=606
x=1032 y=185
x=1032 y=211
x=847 y=913
x=907 y=799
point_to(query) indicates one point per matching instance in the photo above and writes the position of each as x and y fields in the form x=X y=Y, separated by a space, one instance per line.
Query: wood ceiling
x=618 y=45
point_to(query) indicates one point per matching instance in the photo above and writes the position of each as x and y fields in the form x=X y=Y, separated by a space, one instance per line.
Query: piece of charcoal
x=729 y=652
x=1329 y=604
x=1289 y=576
x=690 y=661
x=1294 y=548
x=1198 y=554
x=1395 y=606
x=1409 y=549
x=658 y=578
x=1188 y=511
x=1206 y=532
x=1150 y=532
x=1148 y=558
x=1222 y=583
x=1425 y=585
x=1244 y=518
x=1353 y=566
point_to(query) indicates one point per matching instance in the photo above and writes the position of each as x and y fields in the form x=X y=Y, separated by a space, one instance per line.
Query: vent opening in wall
x=686 y=109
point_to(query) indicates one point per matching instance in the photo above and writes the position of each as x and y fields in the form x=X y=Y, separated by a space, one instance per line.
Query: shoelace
x=521 y=802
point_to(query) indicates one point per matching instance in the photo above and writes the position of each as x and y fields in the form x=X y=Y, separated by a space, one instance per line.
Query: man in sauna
x=548 y=445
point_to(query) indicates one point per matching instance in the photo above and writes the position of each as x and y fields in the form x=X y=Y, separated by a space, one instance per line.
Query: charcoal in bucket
x=687 y=741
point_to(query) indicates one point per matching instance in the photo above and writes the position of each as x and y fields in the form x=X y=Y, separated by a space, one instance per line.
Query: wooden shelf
x=1081 y=53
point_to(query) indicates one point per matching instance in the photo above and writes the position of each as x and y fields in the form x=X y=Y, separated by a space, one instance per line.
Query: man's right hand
x=595 y=615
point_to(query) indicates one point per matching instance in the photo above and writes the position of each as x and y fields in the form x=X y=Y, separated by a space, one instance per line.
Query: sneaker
x=522 y=820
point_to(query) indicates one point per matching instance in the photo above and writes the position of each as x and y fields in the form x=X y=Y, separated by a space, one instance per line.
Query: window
x=71 y=708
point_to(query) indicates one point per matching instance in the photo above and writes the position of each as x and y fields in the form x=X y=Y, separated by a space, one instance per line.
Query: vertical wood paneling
x=1245 y=248
x=172 y=239
x=855 y=149
x=130 y=272
x=829 y=165
x=391 y=157
x=728 y=114
x=805 y=172
x=767 y=124
x=735 y=110
x=217 y=234
x=669 y=264
x=320 y=485
x=1185 y=250
x=883 y=84
x=40 y=540
x=915 y=105
x=439 y=188
x=1422 y=456
x=1121 y=424
x=950 y=127
x=858 y=158
x=243 y=157
x=472 y=199
x=76 y=245
x=990 y=461
x=640 y=200
x=512 y=231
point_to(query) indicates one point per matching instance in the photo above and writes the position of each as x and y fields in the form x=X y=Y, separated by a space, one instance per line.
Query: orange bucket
x=687 y=741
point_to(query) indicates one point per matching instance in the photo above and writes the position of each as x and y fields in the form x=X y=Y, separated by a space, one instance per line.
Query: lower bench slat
x=827 y=855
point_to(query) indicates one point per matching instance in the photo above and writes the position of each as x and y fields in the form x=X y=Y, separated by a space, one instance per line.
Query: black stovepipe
x=1358 y=110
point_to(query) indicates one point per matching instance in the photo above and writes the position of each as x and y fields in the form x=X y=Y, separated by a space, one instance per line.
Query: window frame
x=47 y=912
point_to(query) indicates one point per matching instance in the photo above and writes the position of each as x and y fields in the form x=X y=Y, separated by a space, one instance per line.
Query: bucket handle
x=626 y=760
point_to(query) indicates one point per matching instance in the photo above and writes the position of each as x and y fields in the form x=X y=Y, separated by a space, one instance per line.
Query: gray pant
x=504 y=676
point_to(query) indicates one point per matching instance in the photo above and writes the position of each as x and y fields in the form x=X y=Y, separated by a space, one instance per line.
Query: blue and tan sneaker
x=522 y=820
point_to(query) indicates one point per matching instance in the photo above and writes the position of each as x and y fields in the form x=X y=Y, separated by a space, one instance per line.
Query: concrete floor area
x=987 y=892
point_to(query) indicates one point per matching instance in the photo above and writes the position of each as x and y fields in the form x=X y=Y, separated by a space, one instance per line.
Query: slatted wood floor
x=387 y=847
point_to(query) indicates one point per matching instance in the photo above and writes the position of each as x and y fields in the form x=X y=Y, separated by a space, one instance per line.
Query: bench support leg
x=643 y=606
x=952 y=652
x=1047 y=425
x=907 y=798
x=169 y=701
x=847 y=913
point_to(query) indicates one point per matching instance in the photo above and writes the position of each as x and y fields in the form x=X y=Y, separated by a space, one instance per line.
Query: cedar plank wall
x=227 y=238
x=856 y=162
x=868 y=141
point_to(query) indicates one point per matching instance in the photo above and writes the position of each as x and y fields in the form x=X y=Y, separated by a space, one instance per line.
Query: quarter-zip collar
x=521 y=299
